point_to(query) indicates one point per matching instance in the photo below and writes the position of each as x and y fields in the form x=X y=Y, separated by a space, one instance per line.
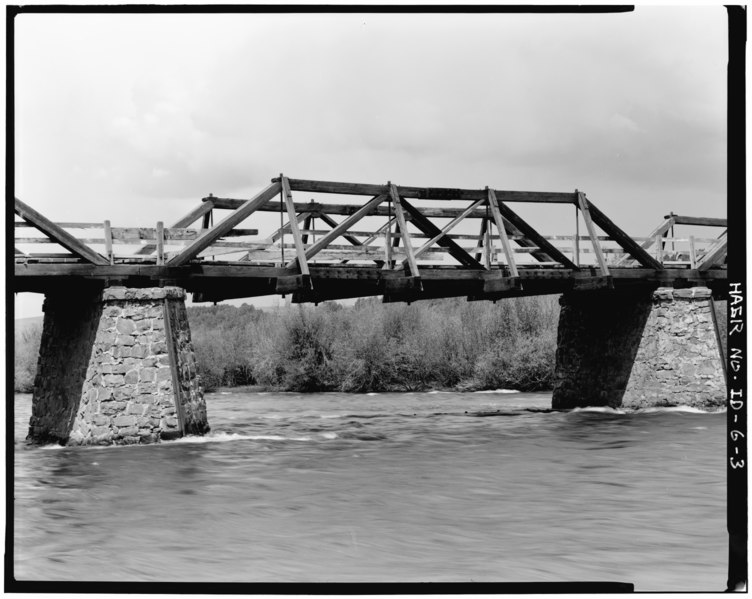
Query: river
x=385 y=487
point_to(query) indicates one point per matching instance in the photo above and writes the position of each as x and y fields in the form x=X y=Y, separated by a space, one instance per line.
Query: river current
x=388 y=487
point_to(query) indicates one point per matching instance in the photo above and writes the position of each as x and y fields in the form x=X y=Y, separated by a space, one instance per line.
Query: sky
x=135 y=118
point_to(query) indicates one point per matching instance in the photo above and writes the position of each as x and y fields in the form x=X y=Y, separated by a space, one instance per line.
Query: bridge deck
x=405 y=243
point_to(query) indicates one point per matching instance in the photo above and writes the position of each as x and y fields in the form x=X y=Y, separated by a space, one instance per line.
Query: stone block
x=138 y=350
x=124 y=420
x=100 y=420
x=125 y=340
x=147 y=375
x=125 y=326
x=110 y=408
x=105 y=338
x=113 y=294
x=128 y=431
x=114 y=380
x=143 y=388
x=163 y=374
x=112 y=311
x=131 y=377
x=159 y=347
x=157 y=324
x=135 y=409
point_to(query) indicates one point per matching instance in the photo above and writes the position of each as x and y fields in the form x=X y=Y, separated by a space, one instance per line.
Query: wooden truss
x=410 y=232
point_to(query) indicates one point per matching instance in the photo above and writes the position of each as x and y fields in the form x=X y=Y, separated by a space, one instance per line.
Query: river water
x=385 y=487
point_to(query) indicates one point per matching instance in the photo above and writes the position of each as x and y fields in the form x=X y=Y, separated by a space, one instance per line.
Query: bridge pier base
x=116 y=367
x=638 y=349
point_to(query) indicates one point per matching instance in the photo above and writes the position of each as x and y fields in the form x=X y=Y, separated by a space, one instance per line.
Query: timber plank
x=426 y=193
x=584 y=209
x=493 y=204
x=713 y=255
x=226 y=225
x=348 y=209
x=534 y=237
x=340 y=228
x=399 y=212
x=300 y=259
x=61 y=236
x=698 y=220
x=183 y=222
x=624 y=240
x=434 y=233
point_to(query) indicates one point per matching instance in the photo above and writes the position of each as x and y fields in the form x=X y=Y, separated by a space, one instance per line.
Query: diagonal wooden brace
x=433 y=232
x=58 y=234
x=229 y=223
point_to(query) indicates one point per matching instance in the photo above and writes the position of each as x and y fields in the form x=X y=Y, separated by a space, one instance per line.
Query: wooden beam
x=448 y=227
x=487 y=247
x=365 y=210
x=108 y=242
x=300 y=258
x=349 y=209
x=333 y=224
x=493 y=204
x=399 y=212
x=160 y=242
x=698 y=220
x=583 y=204
x=57 y=234
x=426 y=193
x=620 y=237
x=306 y=226
x=692 y=253
x=714 y=254
x=534 y=237
x=658 y=231
x=432 y=231
x=481 y=236
x=224 y=226
x=182 y=223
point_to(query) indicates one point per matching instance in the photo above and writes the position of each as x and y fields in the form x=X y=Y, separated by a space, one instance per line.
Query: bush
x=25 y=357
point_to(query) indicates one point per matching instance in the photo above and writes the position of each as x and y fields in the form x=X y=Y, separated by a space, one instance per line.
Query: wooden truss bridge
x=405 y=243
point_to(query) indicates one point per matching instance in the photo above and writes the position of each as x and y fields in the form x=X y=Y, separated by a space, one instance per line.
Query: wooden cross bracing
x=402 y=231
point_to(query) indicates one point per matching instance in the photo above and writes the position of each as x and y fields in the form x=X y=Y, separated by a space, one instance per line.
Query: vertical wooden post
x=388 y=244
x=399 y=213
x=160 y=242
x=481 y=237
x=592 y=233
x=307 y=226
x=294 y=228
x=487 y=246
x=576 y=257
x=658 y=248
x=692 y=254
x=494 y=205
x=108 y=242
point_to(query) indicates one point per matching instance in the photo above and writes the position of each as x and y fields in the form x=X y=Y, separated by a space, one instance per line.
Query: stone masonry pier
x=116 y=367
x=639 y=349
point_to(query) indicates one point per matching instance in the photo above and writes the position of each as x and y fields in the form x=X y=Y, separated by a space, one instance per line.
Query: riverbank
x=448 y=344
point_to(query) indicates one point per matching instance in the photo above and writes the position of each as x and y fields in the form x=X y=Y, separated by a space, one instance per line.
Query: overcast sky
x=134 y=118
